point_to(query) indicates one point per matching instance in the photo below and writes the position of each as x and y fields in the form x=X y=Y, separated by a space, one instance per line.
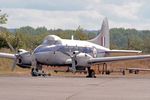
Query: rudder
x=103 y=38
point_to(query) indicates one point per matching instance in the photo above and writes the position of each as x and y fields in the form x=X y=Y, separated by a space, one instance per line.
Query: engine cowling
x=24 y=60
x=82 y=59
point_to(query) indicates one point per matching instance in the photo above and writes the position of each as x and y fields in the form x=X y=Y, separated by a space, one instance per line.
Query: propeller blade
x=12 y=49
x=33 y=61
x=14 y=65
x=73 y=57
x=73 y=67
x=10 y=46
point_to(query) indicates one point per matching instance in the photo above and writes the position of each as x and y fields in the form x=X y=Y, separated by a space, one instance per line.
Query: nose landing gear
x=37 y=71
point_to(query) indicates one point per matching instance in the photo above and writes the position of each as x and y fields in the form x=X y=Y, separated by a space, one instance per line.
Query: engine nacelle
x=82 y=59
x=24 y=60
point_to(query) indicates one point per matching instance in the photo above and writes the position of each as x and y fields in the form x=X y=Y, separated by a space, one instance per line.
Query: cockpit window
x=51 y=40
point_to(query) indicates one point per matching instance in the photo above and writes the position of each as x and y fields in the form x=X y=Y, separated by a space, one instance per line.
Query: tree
x=3 y=18
x=40 y=30
x=26 y=30
x=6 y=37
x=80 y=34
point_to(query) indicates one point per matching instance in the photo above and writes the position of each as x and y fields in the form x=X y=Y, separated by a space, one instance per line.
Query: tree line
x=29 y=37
x=130 y=39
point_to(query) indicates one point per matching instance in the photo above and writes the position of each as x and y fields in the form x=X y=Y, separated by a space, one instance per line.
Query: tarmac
x=74 y=88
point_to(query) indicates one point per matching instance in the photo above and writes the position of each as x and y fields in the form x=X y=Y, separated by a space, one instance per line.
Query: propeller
x=15 y=60
x=73 y=58
x=18 y=56
x=73 y=67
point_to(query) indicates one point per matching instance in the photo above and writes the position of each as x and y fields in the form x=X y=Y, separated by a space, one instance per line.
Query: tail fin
x=103 y=37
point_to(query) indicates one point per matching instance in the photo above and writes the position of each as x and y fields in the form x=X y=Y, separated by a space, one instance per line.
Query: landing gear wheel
x=136 y=72
x=123 y=72
x=91 y=73
x=130 y=71
x=34 y=72
x=107 y=72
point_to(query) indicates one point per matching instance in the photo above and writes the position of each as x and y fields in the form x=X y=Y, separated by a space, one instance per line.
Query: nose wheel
x=91 y=73
x=37 y=71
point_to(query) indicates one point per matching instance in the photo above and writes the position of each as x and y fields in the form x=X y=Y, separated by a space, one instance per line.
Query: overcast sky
x=69 y=14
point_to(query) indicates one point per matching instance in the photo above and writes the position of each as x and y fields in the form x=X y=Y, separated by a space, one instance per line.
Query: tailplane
x=103 y=37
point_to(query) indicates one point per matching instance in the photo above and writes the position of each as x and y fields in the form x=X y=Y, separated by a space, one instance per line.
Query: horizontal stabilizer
x=124 y=51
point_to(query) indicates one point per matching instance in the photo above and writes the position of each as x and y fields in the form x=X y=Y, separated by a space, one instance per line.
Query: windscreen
x=51 y=40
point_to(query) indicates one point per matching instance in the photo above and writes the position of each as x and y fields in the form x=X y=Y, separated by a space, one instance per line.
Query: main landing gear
x=91 y=73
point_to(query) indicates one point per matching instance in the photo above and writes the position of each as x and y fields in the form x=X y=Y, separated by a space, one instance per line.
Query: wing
x=118 y=58
x=7 y=55
x=123 y=51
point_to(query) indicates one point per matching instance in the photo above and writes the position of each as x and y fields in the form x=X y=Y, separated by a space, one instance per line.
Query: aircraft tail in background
x=103 y=37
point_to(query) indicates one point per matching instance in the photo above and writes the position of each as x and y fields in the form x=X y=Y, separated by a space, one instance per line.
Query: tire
x=33 y=73
x=107 y=72
x=93 y=73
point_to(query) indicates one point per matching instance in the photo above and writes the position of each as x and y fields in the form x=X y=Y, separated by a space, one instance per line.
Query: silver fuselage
x=54 y=54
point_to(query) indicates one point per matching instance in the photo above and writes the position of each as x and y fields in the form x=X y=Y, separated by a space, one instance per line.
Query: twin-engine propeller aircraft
x=76 y=54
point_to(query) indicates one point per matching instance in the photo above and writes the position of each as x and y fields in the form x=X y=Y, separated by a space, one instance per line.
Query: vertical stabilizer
x=103 y=37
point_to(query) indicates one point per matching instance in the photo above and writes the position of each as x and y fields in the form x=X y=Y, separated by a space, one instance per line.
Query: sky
x=69 y=14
